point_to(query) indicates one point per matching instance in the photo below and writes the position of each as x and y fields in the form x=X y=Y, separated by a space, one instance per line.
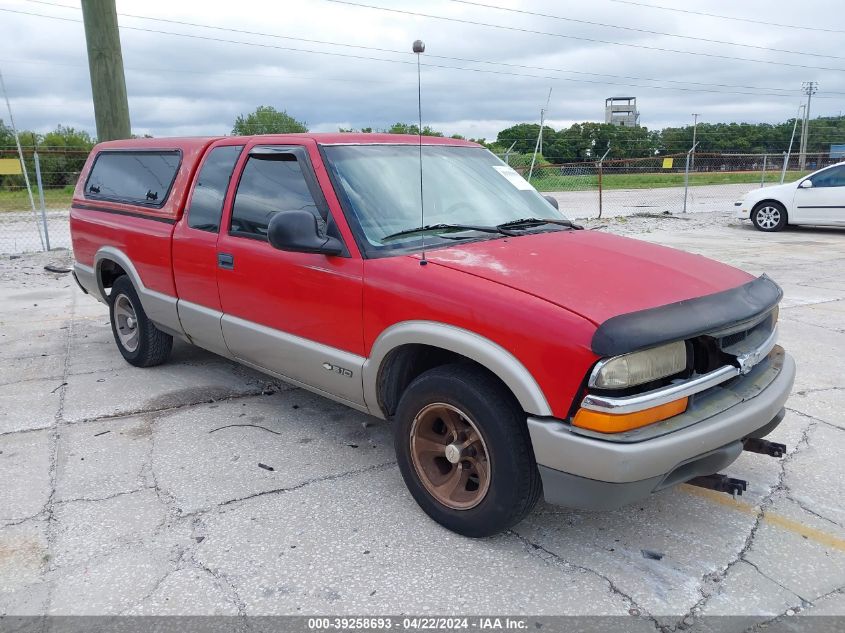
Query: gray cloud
x=180 y=85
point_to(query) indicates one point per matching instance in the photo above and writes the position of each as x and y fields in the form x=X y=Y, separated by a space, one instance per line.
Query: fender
x=160 y=308
x=464 y=342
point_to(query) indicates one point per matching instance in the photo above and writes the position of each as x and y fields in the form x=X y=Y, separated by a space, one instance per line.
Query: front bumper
x=742 y=211
x=592 y=473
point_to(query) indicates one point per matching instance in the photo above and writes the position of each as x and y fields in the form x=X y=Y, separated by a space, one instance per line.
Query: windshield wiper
x=529 y=222
x=444 y=228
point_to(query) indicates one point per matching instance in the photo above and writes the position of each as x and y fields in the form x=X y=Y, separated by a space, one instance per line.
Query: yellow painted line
x=772 y=518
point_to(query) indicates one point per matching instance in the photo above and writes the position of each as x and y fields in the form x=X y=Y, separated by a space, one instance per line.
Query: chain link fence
x=664 y=184
x=38 y=222
x=654 y=185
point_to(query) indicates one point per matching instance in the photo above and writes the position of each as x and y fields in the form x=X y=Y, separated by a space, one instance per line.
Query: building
x=837 y=151
x=621 y=111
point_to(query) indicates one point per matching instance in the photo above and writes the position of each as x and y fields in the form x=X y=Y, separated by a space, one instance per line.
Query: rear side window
x=136 y=177
x=270 y=184
x=210 y=191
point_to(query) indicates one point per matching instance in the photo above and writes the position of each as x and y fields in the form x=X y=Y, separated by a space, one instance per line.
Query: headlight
x=638 y=368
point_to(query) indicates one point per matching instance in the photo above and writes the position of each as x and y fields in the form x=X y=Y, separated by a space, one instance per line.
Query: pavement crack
x=257 y=426
x=20 y=521
x=166 y=409
x=222 y=580
x=106 y=498
x=809 y=510
x=813 y=418
x=152 y=591
x=308 y=482
x=772 y=580
x=614 y=588
x=765 y=503
x=49 y=509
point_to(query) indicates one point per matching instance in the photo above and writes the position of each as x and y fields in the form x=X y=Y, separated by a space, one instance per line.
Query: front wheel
x=464 y=451
x=140 y=342
x=769 y=216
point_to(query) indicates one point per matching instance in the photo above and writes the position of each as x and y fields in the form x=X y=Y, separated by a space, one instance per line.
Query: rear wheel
x=769 y=216
x=464 y=452
x=140 y=342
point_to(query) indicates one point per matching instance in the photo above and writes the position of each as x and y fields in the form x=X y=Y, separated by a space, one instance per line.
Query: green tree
x=267 y=120
x=63 y=156
x=412 y=128
x=524 y=135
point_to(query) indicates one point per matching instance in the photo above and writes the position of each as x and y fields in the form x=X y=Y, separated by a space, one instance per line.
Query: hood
x=761 y=193
x=593 y=274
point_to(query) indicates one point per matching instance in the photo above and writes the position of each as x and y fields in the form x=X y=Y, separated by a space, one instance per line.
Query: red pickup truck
x=513 y=352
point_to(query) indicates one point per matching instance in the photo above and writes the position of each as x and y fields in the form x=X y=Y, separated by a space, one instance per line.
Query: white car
x=817 y=199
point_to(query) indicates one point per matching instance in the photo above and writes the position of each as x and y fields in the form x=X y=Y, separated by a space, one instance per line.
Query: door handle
x=225 y=260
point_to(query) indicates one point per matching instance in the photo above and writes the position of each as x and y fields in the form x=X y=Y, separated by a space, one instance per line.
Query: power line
x=576 y=37
x=728 y=17
x=638 y=30
x=387 y=60
x=402 y=52
x=187 y=71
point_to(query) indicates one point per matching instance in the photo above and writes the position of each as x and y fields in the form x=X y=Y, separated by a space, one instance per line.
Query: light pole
x=810 y=88
x=788 y=153
x=695 y=116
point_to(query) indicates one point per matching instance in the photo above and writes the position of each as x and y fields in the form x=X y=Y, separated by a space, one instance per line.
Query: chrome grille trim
x=678 y=390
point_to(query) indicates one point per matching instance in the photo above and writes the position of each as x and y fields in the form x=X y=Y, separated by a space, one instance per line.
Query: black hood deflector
x=685 y=319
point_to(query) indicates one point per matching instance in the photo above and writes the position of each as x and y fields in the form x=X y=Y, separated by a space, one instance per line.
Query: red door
x=298 y=315
x=195 y=247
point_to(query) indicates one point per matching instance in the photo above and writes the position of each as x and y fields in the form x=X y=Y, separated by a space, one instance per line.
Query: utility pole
x=105 y=64
x=788 y=153
x=809 y=88
x=695 y=116
x=538 y=146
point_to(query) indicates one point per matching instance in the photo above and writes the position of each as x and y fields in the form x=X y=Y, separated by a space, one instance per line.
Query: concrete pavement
x=202 y=487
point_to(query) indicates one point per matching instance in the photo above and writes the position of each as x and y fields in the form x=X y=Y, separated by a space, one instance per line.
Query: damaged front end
x=665 y=418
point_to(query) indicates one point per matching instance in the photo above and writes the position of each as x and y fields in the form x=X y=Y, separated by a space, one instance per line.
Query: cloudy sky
x=335 y=63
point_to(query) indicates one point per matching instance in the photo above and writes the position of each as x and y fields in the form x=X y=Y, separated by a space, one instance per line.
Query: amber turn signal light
x=613 y=423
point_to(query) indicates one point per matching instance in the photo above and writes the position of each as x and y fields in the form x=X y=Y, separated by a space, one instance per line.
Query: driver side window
x=834 y=177
x=270 y=184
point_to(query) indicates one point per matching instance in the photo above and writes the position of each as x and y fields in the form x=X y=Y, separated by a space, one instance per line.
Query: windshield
x=462 y=185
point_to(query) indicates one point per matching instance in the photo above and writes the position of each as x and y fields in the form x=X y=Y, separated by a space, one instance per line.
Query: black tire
x=514 y=481
x=151 y=346
x=769 y=216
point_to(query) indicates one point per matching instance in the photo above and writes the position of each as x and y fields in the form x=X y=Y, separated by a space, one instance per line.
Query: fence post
x=686 y=177
x=601 y=169
x=763 y=175
x=20 y=156
x=41 y=198
x=600 y=189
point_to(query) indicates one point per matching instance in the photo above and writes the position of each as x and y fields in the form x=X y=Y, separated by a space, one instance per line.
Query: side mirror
x=552 y=201
x=806 y=184
x=297 y=231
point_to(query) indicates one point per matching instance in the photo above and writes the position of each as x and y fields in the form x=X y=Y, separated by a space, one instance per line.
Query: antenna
x=419 y=48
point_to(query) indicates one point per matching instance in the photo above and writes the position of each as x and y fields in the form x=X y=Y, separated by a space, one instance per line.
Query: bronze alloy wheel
x=450 y=456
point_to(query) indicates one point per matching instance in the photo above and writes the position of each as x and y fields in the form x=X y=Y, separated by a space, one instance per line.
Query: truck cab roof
x=321 y=138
